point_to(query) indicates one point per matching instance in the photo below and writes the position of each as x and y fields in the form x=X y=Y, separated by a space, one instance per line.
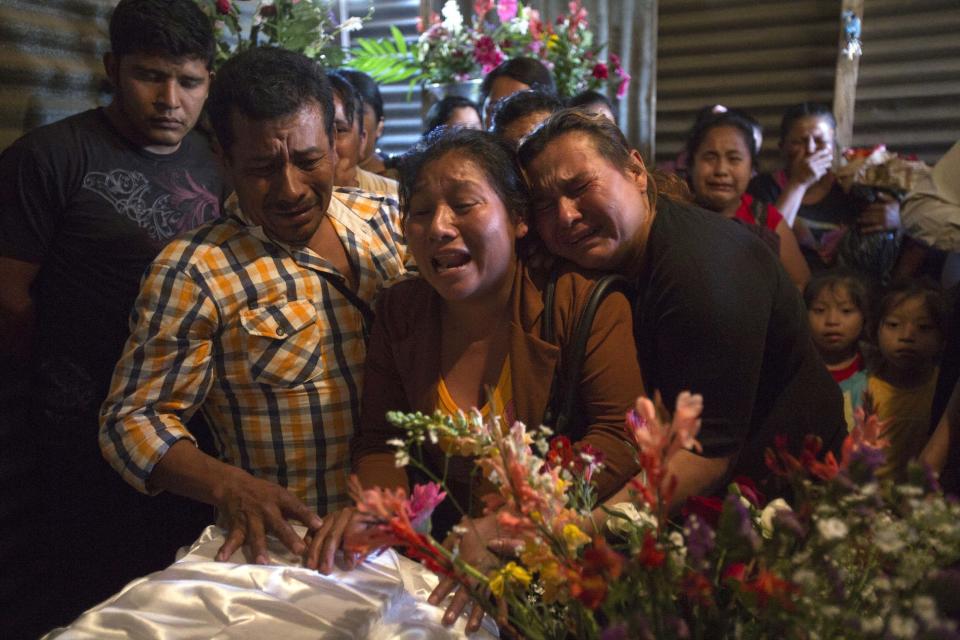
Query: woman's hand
x=323 y=544
x=473 y=550
x=807 y=170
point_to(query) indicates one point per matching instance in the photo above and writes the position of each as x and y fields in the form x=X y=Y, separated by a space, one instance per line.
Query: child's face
x=908 y=337
x=835 y=322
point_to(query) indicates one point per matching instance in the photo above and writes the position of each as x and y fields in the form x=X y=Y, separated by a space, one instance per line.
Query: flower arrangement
x=306 y=26
x=450 y=50
x=878 y=168
x=854 y=557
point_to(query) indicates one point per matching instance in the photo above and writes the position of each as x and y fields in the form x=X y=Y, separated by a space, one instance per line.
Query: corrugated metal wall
x=908 y=94
x=752 y=54
x=759 y=56
x=402 y=117
x=50 y=61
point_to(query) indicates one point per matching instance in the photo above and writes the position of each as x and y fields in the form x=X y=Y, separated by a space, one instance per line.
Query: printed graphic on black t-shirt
x=180 y=204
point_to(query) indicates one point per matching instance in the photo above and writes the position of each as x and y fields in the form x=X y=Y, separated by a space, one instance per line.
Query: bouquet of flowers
x=854 y=557
x=306 y=26
x=878 y=168
x=450 y=50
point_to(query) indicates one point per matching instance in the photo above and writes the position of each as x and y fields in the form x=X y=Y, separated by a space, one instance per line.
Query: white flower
x=901 y=627
x=871 y=625
x=832 y=528
x=676 y=539
x=888 y=540
x=353 y=23
x=635 y=518
x=452 y=18
x=926 y=608
x=396 y=442
x=401 y=458
x=768 y=513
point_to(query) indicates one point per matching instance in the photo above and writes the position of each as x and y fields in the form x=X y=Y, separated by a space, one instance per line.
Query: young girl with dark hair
x=838 y=309
x=910 y=336
x=722 y=151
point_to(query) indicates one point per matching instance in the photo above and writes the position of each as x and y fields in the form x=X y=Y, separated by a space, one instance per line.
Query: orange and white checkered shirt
x=245 y=328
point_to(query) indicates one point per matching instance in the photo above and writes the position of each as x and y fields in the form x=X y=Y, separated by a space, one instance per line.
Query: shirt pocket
x=283 y=343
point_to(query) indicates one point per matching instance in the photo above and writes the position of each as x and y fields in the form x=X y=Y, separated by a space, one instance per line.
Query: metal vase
x=435 y=92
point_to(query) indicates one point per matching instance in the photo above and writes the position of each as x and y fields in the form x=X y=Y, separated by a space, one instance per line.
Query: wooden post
x=638 y=51
x=845 y=82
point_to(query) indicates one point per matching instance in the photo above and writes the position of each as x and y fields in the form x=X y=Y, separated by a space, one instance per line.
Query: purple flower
x=700 y=540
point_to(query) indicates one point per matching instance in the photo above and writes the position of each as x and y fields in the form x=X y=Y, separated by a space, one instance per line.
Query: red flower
x=748 y=489
x=599 y=558
x=223 y=6
x=708 y=508
x=487 y=53
x=560 y=453
x=268 y=10
x=768 y=587
x=600 y=71
x=482 y=7
x=697 y=588
x=649 y=555
x=590 y=590
x=736 y=571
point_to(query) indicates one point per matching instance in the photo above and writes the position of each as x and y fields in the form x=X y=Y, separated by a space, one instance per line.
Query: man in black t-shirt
x=85 y=205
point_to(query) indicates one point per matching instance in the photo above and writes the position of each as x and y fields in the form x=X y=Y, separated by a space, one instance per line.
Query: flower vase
x=434 y=92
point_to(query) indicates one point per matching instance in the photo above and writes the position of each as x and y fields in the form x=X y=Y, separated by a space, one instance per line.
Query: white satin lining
x=196 y=597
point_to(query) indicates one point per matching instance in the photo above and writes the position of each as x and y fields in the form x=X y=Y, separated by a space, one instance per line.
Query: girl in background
x=838 y=309
x=722 y=150
x=910 y=335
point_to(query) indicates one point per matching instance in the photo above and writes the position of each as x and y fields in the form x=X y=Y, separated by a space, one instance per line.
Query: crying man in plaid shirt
x=259 y=321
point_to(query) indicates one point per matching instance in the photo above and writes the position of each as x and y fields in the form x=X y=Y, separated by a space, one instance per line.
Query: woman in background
x=722 y=154
x=453 y=111
x=830 y=225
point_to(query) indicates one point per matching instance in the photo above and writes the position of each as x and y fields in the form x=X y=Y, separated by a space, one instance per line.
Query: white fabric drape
x=196 y=597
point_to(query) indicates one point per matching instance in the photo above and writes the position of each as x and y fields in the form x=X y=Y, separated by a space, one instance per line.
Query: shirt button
x=280 y=331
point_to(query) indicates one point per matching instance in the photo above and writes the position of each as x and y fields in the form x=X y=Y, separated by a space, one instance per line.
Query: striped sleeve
x=163 y=375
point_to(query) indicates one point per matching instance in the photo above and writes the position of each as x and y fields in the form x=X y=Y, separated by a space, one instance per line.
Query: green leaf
x=399 y=39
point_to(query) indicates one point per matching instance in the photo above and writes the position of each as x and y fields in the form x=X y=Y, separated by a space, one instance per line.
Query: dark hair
x=589 y=97
x=529 y=71
x=171 y=28
x=609 y=142
x=367 y=88
x=804 y=110
x=706 y=124
x=494 y=157
x=522 y=104
x=350 y=97
x=854 y=286
x=925 y=288
x=440 y=112
x=264 y=83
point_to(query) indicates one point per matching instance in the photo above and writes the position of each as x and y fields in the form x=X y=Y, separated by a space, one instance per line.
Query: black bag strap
x=365 y=311
x=759 y=211
x=563 y=396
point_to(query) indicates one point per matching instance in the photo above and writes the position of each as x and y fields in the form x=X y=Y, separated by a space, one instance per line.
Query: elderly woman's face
x=586 y=209
x=807 y=136
x=460 y=231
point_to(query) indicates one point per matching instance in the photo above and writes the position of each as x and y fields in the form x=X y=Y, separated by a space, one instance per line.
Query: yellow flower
x=552 y=41
x=574 y=537
x=513 y=572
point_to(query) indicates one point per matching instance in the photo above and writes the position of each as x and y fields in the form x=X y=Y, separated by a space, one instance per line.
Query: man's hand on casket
x=250 y=508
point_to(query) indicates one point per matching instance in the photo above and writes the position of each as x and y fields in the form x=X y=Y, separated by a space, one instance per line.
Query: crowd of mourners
x=215 y=288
